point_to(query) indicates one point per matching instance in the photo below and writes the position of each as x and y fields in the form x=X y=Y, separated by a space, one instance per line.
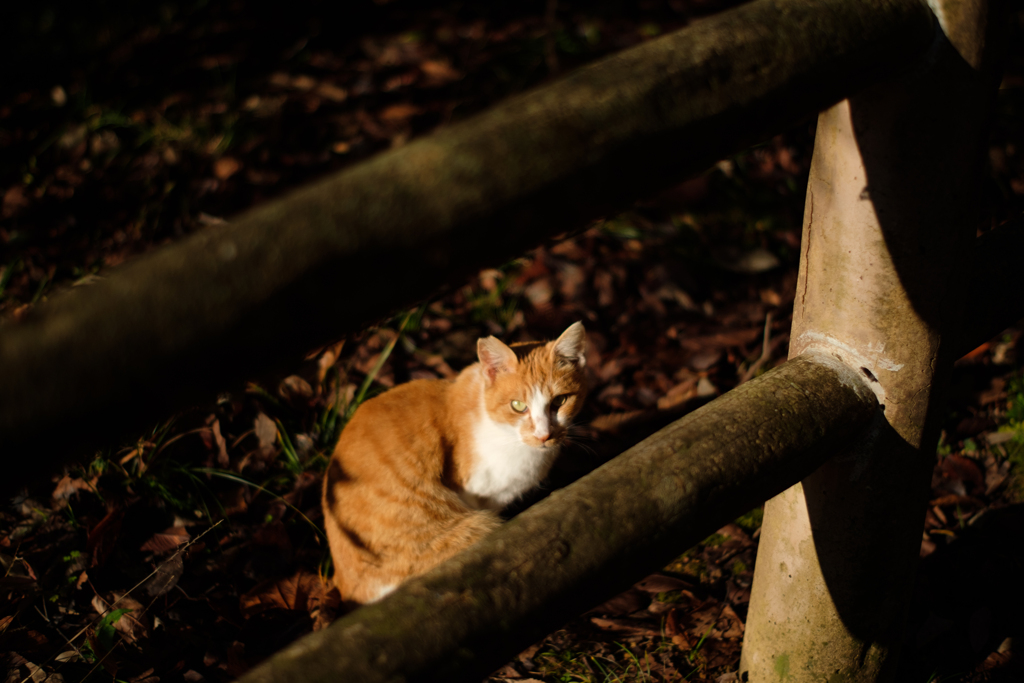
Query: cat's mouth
x=550 y=443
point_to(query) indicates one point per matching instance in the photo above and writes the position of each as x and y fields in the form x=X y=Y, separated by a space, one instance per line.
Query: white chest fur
x=505 y=467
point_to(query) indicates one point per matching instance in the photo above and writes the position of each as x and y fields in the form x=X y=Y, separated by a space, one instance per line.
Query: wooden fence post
x=889 y=225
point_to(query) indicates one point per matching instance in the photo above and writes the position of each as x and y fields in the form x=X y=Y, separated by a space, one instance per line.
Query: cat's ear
x=495 y=357
x=571 y=346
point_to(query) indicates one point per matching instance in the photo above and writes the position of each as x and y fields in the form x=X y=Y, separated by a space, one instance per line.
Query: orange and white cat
x=420 y=470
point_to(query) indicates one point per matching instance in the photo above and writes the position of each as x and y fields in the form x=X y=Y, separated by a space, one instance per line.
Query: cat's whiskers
x=585 y=447
x=578 y=430
x=574 y=436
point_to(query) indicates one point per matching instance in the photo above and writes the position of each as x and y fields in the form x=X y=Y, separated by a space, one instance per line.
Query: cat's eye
x=559 y=401
x=518 y=406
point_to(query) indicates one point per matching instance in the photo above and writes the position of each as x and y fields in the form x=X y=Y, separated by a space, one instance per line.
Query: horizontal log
x=194 y=318
x=594 y=537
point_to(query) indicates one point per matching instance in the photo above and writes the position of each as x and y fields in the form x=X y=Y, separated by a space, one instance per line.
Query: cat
x=420 y=471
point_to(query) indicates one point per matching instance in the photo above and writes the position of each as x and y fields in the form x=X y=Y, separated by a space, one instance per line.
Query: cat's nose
x=542 y=436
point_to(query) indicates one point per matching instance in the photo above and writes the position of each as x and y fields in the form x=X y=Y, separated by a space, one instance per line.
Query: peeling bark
x=594 y=537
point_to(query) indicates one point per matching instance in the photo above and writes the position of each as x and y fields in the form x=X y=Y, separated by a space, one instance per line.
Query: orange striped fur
x=420 y=471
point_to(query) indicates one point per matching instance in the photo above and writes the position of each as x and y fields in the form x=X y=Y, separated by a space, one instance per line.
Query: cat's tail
x=458 y=533
x=365 y=574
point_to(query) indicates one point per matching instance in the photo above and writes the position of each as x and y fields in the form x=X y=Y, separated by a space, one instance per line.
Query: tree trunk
x=893 y=202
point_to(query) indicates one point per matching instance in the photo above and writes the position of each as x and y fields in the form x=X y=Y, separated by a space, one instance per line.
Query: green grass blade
x=372 y=375
x=231 y=476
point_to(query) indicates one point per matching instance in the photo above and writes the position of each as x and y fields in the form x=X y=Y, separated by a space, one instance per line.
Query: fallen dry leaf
x=222 y=445
x=677 y=395
x=266 y=433
x=399 y=112
x=303 y=82
x=303 y=591
x=331 y=92
x=145 y=677
x=662 y=583
x=736 y=594
x=439 y=70
x=166 y=577
x=296 y=391
x=327 y=360
x=130 y=624
x=279 y=79
x=958 y=468
x=103 y=537
x=729 y=623
x=166 y=540
x=225 y=167
x=625 y=627
x=68 y=487
x=623 y=604
x=14 y=201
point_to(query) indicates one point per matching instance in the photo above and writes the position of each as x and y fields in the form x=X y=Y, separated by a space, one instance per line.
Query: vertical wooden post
x=890 y=219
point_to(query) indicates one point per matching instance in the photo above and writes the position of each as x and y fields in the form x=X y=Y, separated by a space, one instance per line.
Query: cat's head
x=535 y=387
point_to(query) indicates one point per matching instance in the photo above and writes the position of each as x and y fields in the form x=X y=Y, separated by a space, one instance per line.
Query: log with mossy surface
x=594 y=537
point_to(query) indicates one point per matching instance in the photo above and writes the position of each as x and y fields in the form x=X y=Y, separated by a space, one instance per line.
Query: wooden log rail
x=475 y=612
x=175 y=327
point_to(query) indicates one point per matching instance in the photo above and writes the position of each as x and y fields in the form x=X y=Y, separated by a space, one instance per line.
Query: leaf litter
x=195 y=552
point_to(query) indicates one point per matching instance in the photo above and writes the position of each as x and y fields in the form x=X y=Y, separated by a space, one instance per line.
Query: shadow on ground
x=968 y=602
